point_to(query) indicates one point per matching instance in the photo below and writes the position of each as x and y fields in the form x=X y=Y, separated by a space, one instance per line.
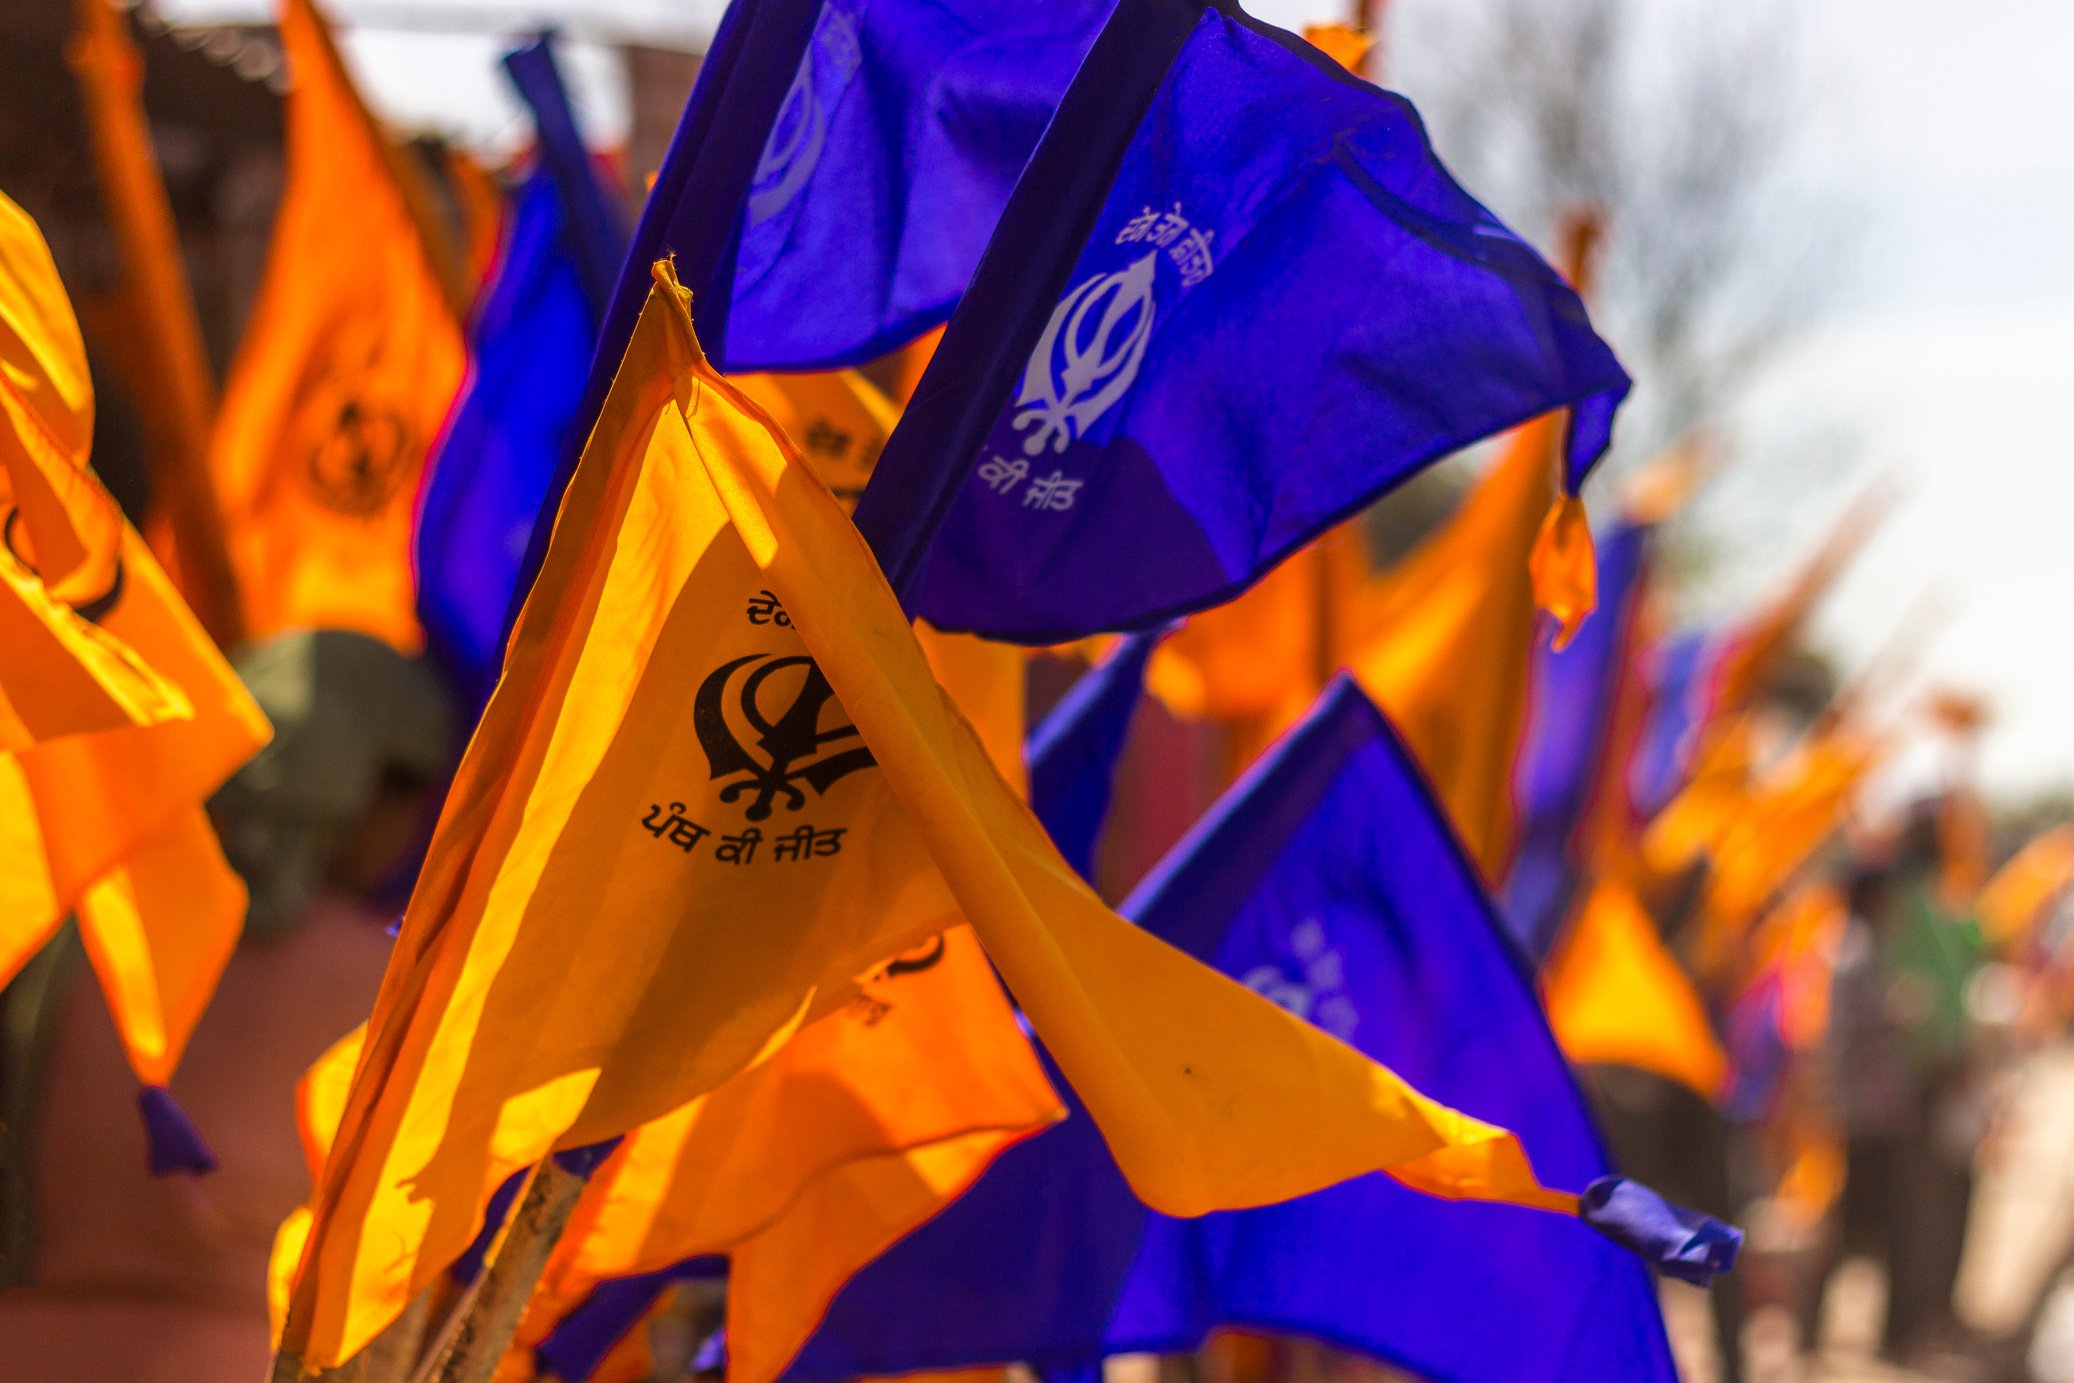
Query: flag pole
x=179 y=406
x=485 y=1331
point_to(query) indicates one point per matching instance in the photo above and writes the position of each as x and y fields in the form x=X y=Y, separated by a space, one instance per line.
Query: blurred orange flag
x=1788 y=815
x=2015 y=900
x=627 y=906
x=118 y=717
x=345 y=375
x=1451 y=641
x=1768 y=637
x=1615 y=996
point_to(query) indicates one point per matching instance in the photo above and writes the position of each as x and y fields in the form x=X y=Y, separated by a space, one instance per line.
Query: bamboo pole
x=180 y=402
x=488 y=1326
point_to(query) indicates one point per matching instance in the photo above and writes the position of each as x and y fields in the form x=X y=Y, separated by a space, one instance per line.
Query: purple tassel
x=176 y=1145
x=1680 y=1243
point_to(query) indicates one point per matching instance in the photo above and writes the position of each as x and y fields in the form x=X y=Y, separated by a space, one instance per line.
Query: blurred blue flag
x=1564 y=756
x=493 y=469
x=1683 y=676
x=1072 y=753
x=1272 y=304
x=1327 y=880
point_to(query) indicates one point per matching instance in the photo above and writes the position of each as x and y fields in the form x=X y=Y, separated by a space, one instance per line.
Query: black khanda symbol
x=790 y=743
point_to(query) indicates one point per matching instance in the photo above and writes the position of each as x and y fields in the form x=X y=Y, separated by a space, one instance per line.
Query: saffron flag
x=2019 y=895
x=1616 y=996
x=1277 y=304
x=1570 y=742
x=63 y=674
x=1701 y=679
x=101 y=797
x=823 y=786
x=345 y=375
x=839 y=421
x=805 y=1168
x=1328 y=881
x=1258 y=662
x=1451 y=644
x=1787 y=815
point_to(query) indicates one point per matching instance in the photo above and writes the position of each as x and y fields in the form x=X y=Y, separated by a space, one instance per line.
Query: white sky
x=1949 y=357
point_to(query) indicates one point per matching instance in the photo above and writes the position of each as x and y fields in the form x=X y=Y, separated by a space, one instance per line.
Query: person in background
x=1868 y=1089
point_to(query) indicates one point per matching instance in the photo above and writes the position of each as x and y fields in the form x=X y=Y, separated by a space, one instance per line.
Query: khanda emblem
x=784 y=751
x=801 y=130
x=362 y=460
x=1087 y=358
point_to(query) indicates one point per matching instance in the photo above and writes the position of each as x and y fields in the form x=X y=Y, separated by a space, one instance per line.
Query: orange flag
x=348 y=366
x=804 y=1169
x=102 y=815
x=839 y=420
x=1451 y=642
x=2015 y=900
x=1615 y=996
x=1769 y=635
x=157 y=338
x=1788 y=815
x=1258 y=662
x=626 y=906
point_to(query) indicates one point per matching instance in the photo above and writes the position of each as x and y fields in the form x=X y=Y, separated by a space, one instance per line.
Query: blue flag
x=1273 y=305
x=1683 y=674
x=888 y=166
x=1072 y=753
x=1231 y=298
x=1563 y=758
x=1327 y=880
x=493 y=469
x=840 y=166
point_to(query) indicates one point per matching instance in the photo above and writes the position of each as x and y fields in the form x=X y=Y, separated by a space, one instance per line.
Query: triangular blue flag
x=1328 y=880
x=1072 y=752
x=1181 y=360
x=1573 y=695
x=493 y=470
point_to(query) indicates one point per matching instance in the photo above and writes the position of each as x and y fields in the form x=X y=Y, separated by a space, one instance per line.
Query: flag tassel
x=176 y=1144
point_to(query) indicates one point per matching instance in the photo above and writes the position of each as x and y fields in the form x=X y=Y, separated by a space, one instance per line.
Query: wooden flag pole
x=172 y=386
x=488 y=1325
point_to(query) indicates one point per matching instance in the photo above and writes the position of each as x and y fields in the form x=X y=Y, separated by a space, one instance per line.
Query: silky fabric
x=574 y=963
x=345 y=375
x=1328 y=881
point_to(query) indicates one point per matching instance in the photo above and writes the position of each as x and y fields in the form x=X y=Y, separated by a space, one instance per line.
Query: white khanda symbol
x=801 y=129
x=1088 y=356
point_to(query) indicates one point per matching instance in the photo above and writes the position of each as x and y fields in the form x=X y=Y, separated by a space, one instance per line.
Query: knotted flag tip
x=1564 y=567
x=1681 y=1243
x=176 y=1145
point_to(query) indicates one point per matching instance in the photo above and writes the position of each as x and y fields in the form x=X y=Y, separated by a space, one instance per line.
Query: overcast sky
x=1948 y=356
